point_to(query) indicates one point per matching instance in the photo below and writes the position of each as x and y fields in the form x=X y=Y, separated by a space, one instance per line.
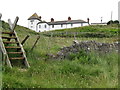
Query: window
x=81 y=24
x=71 y=25
x=52 y=26
x=32 y=21
x=39 y=26
x=61 y=25
x=31 y=26
x=45 y=26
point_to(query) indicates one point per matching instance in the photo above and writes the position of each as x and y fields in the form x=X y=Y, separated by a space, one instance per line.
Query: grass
x=79 y=71
x=94 y=31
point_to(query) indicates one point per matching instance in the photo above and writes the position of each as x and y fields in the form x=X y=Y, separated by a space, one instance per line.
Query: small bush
x=112 y=22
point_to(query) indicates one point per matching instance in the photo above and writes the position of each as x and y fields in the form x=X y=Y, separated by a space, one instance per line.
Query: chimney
x=52 y=19
x=40 y=17
x=88 y=20
x=69 y=18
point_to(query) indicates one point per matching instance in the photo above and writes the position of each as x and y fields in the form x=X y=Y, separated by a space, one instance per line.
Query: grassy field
x=83 y=71
x=98 y=31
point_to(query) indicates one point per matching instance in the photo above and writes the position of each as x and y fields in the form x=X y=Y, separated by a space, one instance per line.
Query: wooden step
x=15 y=52
x=8 y=42
x=4 y=37
x=13 y=47
x=7 y=32
x=17 y=58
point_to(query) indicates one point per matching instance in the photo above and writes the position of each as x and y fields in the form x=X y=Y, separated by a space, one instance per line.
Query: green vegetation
x=96 y=72
x=112 y=22
x=80 y=71
x=98 y=31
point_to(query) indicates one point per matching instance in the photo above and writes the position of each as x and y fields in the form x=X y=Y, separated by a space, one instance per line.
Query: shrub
x=110 y=22
x=116 y=22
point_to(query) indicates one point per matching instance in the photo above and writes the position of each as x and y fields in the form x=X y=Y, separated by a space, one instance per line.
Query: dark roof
x=42 y=22
x=34 y=16
x=66 y=22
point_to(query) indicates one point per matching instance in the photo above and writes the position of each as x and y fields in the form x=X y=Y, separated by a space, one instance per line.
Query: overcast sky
x=59 y=9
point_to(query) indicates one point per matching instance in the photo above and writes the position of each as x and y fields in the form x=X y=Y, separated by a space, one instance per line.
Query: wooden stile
x=17 y=50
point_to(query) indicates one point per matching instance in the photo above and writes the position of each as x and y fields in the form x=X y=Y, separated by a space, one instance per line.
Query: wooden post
x=71 y=34
x=74 y=37
x=66 y=34
x=12 y=26
x=49 y=42
x=51 y=35
x=0 y=16
x=15 y=22
x=0 y=22
x=25 y=39
x=35 y=43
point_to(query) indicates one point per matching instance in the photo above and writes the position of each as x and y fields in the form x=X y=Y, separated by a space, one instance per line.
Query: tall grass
x=92 y=71
x=78 y=71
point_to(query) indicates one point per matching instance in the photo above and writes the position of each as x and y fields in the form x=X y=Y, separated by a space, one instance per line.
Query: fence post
x=51 y=35
x=66 y=34
x=25 y=39
x=70 y=34
x=35 y=43
x=74 y=36
x=0 y=16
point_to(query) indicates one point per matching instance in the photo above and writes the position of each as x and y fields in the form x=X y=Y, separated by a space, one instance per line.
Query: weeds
x=80 y=70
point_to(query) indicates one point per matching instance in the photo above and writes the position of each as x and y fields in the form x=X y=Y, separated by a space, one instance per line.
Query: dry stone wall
x=87 y=46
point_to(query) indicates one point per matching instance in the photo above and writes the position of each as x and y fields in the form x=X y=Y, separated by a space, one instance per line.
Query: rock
x=87 y=46
x=75 y=42
x=50 y=55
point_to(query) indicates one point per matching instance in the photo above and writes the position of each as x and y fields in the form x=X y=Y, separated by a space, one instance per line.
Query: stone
x=87 y=46
x=75 y=42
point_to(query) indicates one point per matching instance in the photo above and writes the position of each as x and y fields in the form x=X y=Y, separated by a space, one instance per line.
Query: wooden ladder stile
x=6 y=44
x=24 y=54
x=5 y=55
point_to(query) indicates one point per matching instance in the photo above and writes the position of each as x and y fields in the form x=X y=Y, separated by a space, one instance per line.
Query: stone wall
x=87 y=46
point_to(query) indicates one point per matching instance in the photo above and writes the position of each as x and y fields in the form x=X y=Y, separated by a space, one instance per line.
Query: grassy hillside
x=94 y=31
x=88 y=71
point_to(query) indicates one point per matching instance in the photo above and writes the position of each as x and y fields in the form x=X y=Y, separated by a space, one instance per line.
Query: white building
x=98 y=23
x=35 y=23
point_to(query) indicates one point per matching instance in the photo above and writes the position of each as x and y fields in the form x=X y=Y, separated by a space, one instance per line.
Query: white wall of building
x=55 y=27
x=85 y=24
x=77 y=25
x=32 y=24
x=41 y=27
